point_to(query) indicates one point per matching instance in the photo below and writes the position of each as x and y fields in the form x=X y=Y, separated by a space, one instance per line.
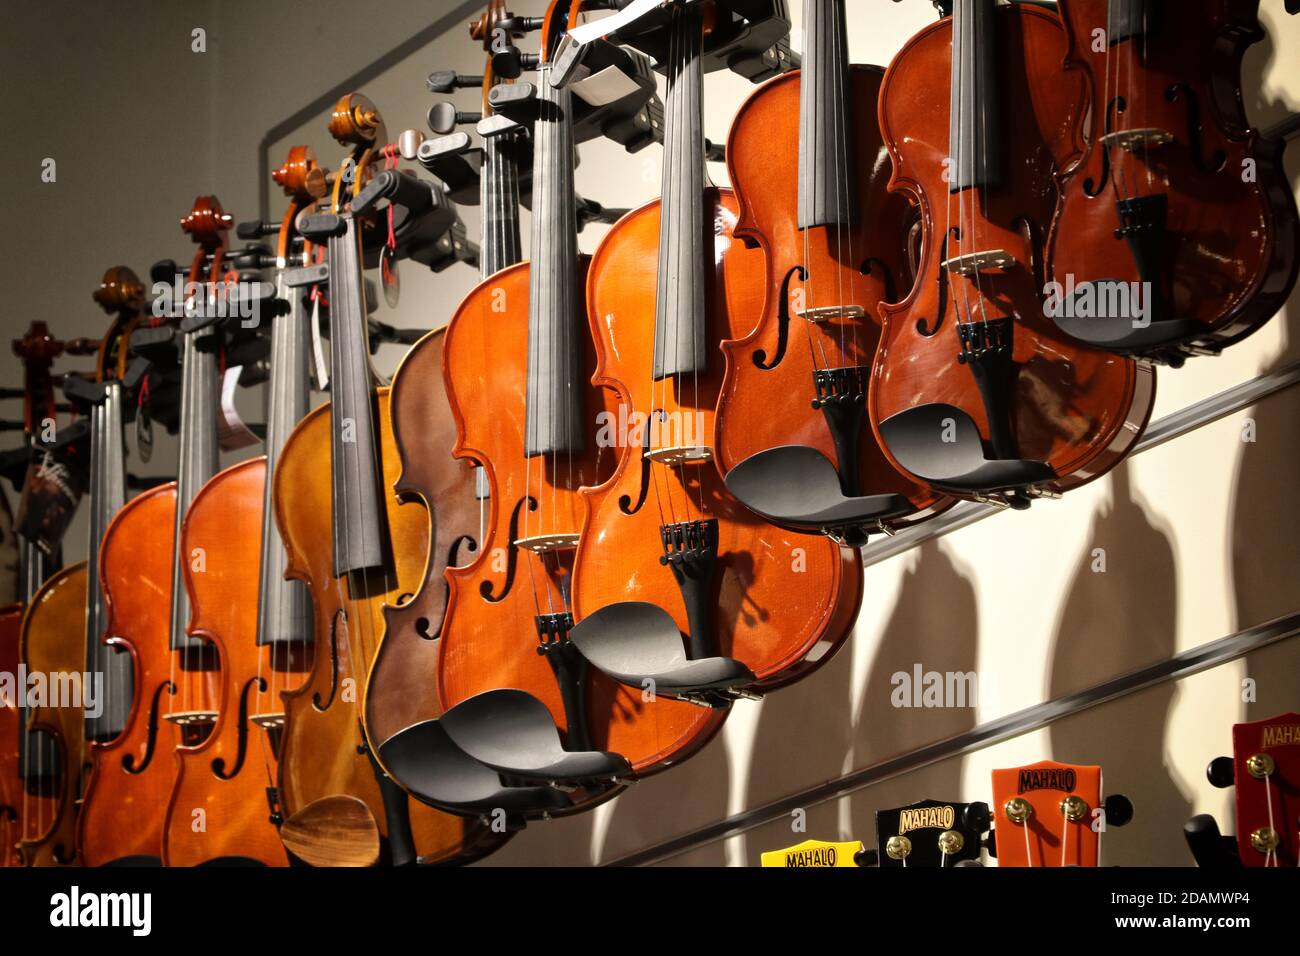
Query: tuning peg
x=516 y=101
x=865 y=857
x=81 y=347
x=991 y=843
x=510 y=62
x=454 y=161
x=977 y=817
x=1119 y=810
x=444 y=117
x=1220 y=772
x=444 y=81
x=408 y=143
x=165 y=271
x=1209 y=847
x=256 y=229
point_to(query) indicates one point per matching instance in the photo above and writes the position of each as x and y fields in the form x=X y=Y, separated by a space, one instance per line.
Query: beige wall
x=1200 y=534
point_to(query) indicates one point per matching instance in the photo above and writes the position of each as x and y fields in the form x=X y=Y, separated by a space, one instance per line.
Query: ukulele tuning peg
x=977 y=817
x=443 y=117
x=1119 y=810
x=1220 y=772
x=867 y=857
x=444 y=81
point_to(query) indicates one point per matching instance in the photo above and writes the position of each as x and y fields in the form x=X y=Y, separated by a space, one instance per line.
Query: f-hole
x=782 y=325
x=129 y=763
x=943 y=287
x=625 y=503
x=219 y=765
x=339 y=616
x=512 y=554
x=1113 y=109
x=1194 y=145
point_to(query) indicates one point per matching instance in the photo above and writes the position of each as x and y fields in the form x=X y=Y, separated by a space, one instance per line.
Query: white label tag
x=608 y=86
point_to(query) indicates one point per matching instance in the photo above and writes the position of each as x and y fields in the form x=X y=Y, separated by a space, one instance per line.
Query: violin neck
x=1128 y=20
x=35 y=566
x=283 y=609
x=499 y=202
x=198 y=459
x=107 y=494
x=827 y=165
x=360 y=518
x=680 y=319
x=975 y=129
x=554 y=420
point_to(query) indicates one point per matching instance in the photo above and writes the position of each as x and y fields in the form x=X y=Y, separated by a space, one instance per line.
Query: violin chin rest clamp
x=425 y=761
x=797 y=487
x=512 y=732
x=1120 y=330
x=638 y=644
x=941 y=445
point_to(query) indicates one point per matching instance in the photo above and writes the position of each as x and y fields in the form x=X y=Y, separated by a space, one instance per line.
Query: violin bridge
x=267 y=721
x=1134 y=139
x=681 y=455
x=546 y=543
x=826 y=313
x=189 y=718
x=973 y=262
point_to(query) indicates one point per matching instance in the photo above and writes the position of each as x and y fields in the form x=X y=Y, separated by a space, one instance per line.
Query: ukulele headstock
x=1051 y=814
x=1265 y=770
x=931 y=833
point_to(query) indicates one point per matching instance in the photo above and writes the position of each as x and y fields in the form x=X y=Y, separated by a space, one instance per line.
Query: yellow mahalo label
x=814 y=853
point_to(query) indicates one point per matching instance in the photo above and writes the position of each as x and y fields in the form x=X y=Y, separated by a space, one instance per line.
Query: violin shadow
x=934 y=624
x=1121 y=612
x=562 y=842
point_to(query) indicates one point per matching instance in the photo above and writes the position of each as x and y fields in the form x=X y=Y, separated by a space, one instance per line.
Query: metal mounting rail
x=1180 y=665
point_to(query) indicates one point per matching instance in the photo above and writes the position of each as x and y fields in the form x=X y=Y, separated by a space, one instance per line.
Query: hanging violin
x=975 y=392
x=353 y=546
x=175 y=675
x=259 y=623
x=1177 y=232
x=835 y=242
x=63 y=626
x=681 y=594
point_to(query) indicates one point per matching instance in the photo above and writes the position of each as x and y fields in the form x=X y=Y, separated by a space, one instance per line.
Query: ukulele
x=835 y=243
x=1051 y=814
x=1264 y=769
x=258 y=623
x=975 y=392
x=931 y=833
x=64 y=624
x=1177 y=231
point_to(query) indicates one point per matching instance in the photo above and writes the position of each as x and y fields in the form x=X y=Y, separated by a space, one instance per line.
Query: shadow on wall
x=1112 y=622
x=933 y=624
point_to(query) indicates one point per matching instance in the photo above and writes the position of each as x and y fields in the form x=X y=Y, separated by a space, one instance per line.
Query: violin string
x=959 y=55
x=836 y=119
x=709 y=225
x=845 y=92
x=978 y=194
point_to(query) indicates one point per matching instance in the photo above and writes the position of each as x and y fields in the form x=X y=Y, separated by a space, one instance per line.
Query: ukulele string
x=1029 y=860
x=1065 y=839
x=1270 y=858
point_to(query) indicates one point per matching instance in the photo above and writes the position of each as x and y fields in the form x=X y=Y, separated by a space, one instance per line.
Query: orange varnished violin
x=358 y=552
x=975 y=392
x=62 y=629
x=683 y=595
x=259 y=623
x=175 y=676
x=1177 y=233
x=834 y=241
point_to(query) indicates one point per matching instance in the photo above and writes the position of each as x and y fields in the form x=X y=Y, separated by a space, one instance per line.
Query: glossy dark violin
x=975 y=391
x=1177 y=233
x=141 y=572
x=347 y=538
x=835 y=242
x=65 y=622
x=259 y=623
x=682 y=595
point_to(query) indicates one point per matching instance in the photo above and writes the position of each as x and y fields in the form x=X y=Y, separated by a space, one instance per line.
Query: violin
x=259 y=623
x=681 y=594
x=63 y=624
x=1177 y=231
x=175 y=677
x=357 y=552
x=835 y=246
x=975 y=392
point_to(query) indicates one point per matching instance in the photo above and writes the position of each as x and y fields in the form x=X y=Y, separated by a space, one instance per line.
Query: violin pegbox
x=120 y=291
x=1266 y=775
x=931 y=834
x=207 y=223
x=301 y=177
x=1051 y=814
x=355 y=121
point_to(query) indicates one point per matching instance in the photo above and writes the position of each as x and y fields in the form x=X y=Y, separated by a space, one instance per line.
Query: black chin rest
x=915 y=438
x=798 y=487
x=512 y=731
x=1117 y=332
x=424 y=760
x=634 y=642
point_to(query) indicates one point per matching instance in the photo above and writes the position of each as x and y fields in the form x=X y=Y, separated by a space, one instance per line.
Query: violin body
x=1226 y=258
x=783 y=601
x=401 y=692
x=864 y=264
x=11 y=786
x=325 y=752
x=493 y=603
x=227 y=775
x=54 y=641
x=1074 y=408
